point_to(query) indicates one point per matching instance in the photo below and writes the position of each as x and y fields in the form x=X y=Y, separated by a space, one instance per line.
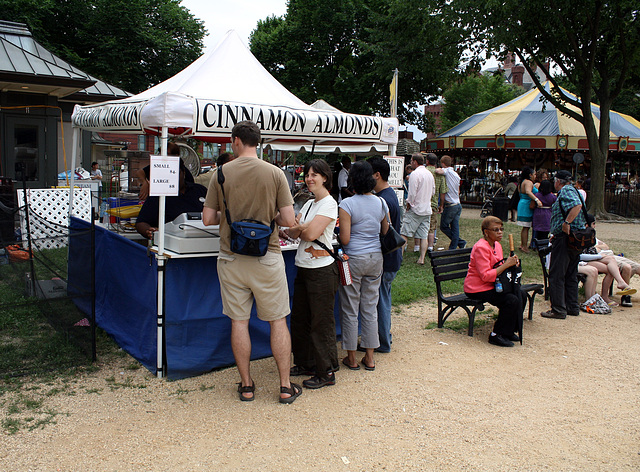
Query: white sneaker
x=416 y=248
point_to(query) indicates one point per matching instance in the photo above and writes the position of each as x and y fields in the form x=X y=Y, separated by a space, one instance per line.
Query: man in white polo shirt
x=417 y=218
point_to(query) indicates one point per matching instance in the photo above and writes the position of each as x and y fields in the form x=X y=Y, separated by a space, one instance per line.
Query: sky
x=220 y=16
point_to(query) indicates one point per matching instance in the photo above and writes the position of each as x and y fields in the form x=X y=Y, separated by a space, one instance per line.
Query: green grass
x=38 y=336
x=41 y=352
x=126 y=383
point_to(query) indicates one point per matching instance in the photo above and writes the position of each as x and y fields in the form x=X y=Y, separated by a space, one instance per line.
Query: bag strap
x=224 y=198
x=226 y=207
x=386 y=213
x=331 y=252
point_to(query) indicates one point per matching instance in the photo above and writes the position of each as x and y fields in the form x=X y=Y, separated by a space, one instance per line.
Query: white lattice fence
x=49 y=214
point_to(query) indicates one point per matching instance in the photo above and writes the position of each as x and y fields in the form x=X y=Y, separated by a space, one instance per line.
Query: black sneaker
x=625 y=300
x=512 y=337
x=298 y=370
x=553 y=314
x=498 y=340
x=319 y=382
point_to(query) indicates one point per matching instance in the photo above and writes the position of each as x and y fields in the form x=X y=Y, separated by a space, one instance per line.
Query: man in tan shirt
x=254 y=189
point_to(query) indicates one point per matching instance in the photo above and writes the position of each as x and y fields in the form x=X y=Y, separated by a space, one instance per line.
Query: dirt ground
x=567 y=399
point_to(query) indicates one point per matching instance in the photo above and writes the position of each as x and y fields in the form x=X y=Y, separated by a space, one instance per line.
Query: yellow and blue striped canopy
x=531 y=115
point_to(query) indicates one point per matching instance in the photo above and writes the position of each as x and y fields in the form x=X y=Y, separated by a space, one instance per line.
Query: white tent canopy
x=204 y=101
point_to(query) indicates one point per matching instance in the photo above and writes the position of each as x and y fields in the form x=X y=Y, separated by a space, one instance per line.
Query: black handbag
x=509 y=278
x=248 y=237
x=391 y=240
x=582 y=239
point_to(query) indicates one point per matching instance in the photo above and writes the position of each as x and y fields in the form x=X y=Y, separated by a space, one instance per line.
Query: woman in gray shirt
x=362 y=217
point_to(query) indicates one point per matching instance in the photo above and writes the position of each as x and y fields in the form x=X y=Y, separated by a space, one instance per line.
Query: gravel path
x=565 y=400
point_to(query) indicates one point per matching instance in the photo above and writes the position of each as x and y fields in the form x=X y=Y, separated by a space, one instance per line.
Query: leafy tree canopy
x=345 y=52
x=132 y=44
x=474 y=94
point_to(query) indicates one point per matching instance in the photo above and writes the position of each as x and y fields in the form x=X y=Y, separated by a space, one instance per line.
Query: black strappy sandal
x=295 y=391
x=248 y=389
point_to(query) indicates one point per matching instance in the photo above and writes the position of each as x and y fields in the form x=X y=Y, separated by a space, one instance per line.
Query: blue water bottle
x=498 y=286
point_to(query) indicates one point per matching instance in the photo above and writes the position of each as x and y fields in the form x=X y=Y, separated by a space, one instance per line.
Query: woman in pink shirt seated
x=480 y=283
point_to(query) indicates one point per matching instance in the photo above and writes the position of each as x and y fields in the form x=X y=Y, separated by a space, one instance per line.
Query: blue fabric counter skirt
x=197 y=333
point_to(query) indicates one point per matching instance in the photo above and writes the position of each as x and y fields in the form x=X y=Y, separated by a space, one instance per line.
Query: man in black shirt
x=190 y=199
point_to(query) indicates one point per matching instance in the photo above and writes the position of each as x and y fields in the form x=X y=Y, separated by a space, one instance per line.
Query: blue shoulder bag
x=248 y=237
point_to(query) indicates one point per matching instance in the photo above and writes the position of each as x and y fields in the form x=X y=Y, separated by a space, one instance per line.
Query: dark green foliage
x=345 y=52
x=132 y=44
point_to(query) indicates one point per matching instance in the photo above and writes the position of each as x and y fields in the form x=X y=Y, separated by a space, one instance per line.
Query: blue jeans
x=384 y=311
x=450 y=225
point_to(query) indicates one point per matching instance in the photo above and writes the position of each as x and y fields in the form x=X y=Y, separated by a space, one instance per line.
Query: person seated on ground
x=190 y=198
x=479 y=283
x=606 y=264
x=143 y=174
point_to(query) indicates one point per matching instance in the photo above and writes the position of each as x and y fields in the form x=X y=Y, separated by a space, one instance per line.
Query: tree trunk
x=598 y=152
x=598 y=168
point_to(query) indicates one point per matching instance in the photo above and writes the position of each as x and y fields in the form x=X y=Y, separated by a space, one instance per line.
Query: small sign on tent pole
x=164 y=176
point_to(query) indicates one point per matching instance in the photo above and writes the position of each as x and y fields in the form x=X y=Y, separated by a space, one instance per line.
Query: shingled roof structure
x=26 y=66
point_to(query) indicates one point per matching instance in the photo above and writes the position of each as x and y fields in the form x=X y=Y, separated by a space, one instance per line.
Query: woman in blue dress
x=525 y=212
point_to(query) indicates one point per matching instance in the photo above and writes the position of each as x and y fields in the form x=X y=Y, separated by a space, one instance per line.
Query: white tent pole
x=160 y=373
x=74 y=152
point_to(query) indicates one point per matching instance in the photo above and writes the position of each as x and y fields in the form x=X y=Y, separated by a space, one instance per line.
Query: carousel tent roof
x=205 y=102
x=530 y=115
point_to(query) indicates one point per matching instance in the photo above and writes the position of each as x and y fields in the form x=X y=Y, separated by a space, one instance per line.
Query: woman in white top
x=313 y=329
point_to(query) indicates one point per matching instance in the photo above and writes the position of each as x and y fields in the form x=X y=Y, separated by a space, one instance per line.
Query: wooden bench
x=453 y=264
